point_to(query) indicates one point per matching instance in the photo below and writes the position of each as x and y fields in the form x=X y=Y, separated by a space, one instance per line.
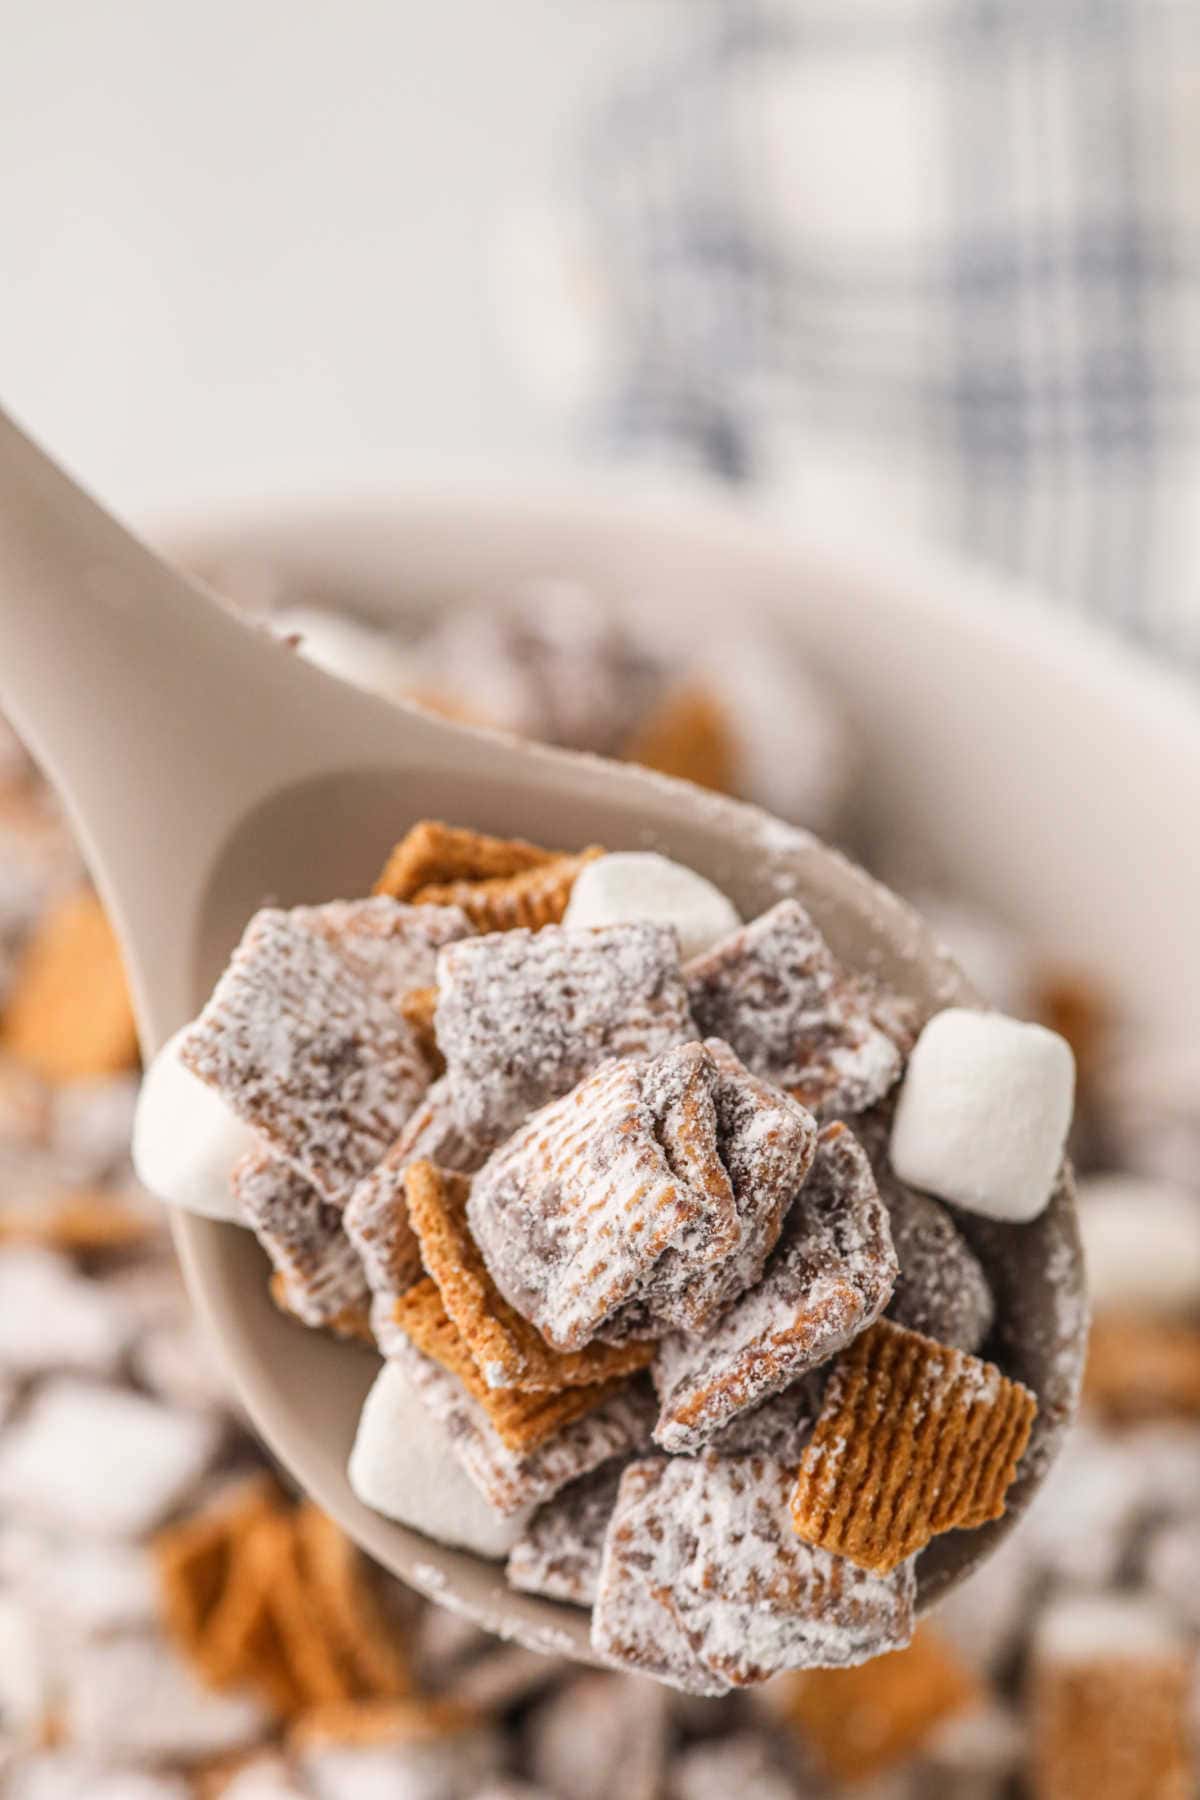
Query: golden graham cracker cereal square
x=914 y=1439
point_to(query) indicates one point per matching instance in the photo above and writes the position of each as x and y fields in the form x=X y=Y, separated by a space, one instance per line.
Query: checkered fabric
x=933 y=260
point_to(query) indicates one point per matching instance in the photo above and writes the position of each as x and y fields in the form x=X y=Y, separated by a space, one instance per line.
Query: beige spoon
x=207 y=769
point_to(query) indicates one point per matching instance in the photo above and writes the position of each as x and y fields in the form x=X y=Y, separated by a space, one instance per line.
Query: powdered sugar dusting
x=303 y=1236
x=828 y=1280
x=393 y=946
x=308 y=1054
x=508 y=1479
x=776 y=994
x=522 y=1016
x=704 y=1582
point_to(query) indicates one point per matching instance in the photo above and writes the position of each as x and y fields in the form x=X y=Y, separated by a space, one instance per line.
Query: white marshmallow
x=186 y=1139
x=70 y=1461
x=638 y=884
x=352 y=651
x=52 y=1318
x=402 y=1464
x=983 y=1113
x=1141 y=1242
x=134 y=1698
x=1081 y=1628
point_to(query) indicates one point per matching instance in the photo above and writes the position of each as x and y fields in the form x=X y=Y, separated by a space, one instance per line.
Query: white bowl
x=1021 y=758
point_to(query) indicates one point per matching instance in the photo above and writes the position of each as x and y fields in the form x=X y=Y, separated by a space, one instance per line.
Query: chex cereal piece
x=1139 y=1368
x=242 y=1644
x=914 y=1439
x=90 y=1126
x=522 y=1421
x=776 y=994
x=522 y=1016
x=690 y=735
x=616 y=1175
x=433 y=855
x=433 y=1134
x=830 y=1277
x=983 y=1113
x=65 y=1463
x=590 y=1175
x=763 y=1148
x=704 y=1607
x=377 y=1224
x=82 y=1221
x=1111 y=1681
x=512 y=1480
x=352 y=1322
x=507 y=1350
x=193 y=1559
x=559 y=1552
x=779 y=1427
x=861 y=1722
x=419 y=1006
x=68 y=1015
x=132 y=1698
x=304 y=1237
x=393 y=946
x=595 y=1738
x=335 y=1575
x=528 y=901
x=941 y=1290
x=308 y=1054
x=404 y=1465
x=743 y=1763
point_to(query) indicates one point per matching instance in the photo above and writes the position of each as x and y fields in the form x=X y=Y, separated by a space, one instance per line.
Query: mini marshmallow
x=352 y=651
x=99 y=1461
x=1084 y=1628
x=25 y=1686
x=638 y=884
x=51 y=1318
x=983 y=1114
x=186 y=1139
x=402 y=1464
x=1141 y=1242
x=135 y=1698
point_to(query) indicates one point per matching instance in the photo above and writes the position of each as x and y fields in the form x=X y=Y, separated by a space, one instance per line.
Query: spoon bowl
x=209 y=771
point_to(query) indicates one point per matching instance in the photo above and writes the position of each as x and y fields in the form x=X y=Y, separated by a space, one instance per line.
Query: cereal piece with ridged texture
x=526 y=901
x=433 y=854
x=509 y=1479
x=393 y=946
x=776 y=994
x=828 y=1280
x=575 y=1210
x=765 y=1143
x=303 y=1236
x=522 y=1016
x=1111 y=1687
x=873 y=1719
x=508 y=1351
x=522 y=1421
x=914 y=1439
x=558 y=1554
x=308 y=1054
x=704 y=1584
x=941 y=1290
x=779 y=1427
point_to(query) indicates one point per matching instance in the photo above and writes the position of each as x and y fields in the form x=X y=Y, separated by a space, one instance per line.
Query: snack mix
x=603 y=1173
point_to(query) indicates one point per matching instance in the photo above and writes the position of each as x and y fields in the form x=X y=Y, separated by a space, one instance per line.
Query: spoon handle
x=160 y=716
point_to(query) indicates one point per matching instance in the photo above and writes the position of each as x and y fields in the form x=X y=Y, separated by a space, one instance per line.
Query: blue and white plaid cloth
x=936 y=261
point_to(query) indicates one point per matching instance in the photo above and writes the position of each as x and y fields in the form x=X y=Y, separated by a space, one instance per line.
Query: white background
x=250 y=245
